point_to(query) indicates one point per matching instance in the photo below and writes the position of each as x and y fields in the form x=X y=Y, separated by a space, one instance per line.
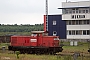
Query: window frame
x=54 y=33
x=54 y=22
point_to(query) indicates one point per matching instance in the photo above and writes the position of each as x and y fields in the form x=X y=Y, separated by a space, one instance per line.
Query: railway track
x=60 y=53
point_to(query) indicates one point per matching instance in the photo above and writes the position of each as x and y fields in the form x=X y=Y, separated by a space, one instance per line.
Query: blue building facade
x=56 y=26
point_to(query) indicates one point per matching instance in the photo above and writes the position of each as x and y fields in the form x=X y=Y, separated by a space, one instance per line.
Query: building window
x=72 y=16
x=54 y=33
x=66 y=11
x=70 y=22
x=83 y=11
x=80 y=22
x=86 y=11
x=77 y=22
x=77 y=16
x=73 y=11
x=87 y=21
x=81 y=16
x=77 y=32
x=73 y=32
x=84 y=21
x=84 y=32
x=70 y=33
x=54 y=22
x=80 y=32
x=69 y=11
x=79 y=11
x=73 y=22
x=88 y=32
x=76 y=11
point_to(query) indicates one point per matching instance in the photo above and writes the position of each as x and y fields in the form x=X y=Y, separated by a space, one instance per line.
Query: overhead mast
x=46 y=15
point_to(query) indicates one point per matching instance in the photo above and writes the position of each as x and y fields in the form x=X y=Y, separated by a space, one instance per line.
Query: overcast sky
x=27 y=11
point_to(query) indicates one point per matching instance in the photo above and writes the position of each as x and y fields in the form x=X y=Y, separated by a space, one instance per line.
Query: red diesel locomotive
x=38 y=43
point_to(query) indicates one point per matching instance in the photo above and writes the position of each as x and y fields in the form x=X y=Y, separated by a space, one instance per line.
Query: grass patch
x=39 y=57
x=29 y=57
x=4 y=44
x=82 y=47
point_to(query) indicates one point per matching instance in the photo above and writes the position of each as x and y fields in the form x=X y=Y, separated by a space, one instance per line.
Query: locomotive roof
x=38 y=31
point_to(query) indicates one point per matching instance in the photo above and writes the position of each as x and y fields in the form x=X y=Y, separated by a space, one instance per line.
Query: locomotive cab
x=44 y=40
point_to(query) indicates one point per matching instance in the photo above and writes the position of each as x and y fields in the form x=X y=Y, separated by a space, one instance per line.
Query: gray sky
x=27 y=11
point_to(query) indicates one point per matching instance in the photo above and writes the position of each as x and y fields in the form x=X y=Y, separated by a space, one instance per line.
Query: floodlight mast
x=46 y=15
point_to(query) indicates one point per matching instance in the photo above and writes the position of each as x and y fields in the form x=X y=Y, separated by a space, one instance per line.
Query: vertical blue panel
x=60 y=26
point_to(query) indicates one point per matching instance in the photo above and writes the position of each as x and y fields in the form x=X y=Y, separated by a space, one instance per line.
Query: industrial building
x=73 y=23
x=77 y=17
x=56 y=26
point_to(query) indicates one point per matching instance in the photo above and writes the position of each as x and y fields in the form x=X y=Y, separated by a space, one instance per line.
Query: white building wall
x=78 y=36
x=74 y=4
x=78 y=27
